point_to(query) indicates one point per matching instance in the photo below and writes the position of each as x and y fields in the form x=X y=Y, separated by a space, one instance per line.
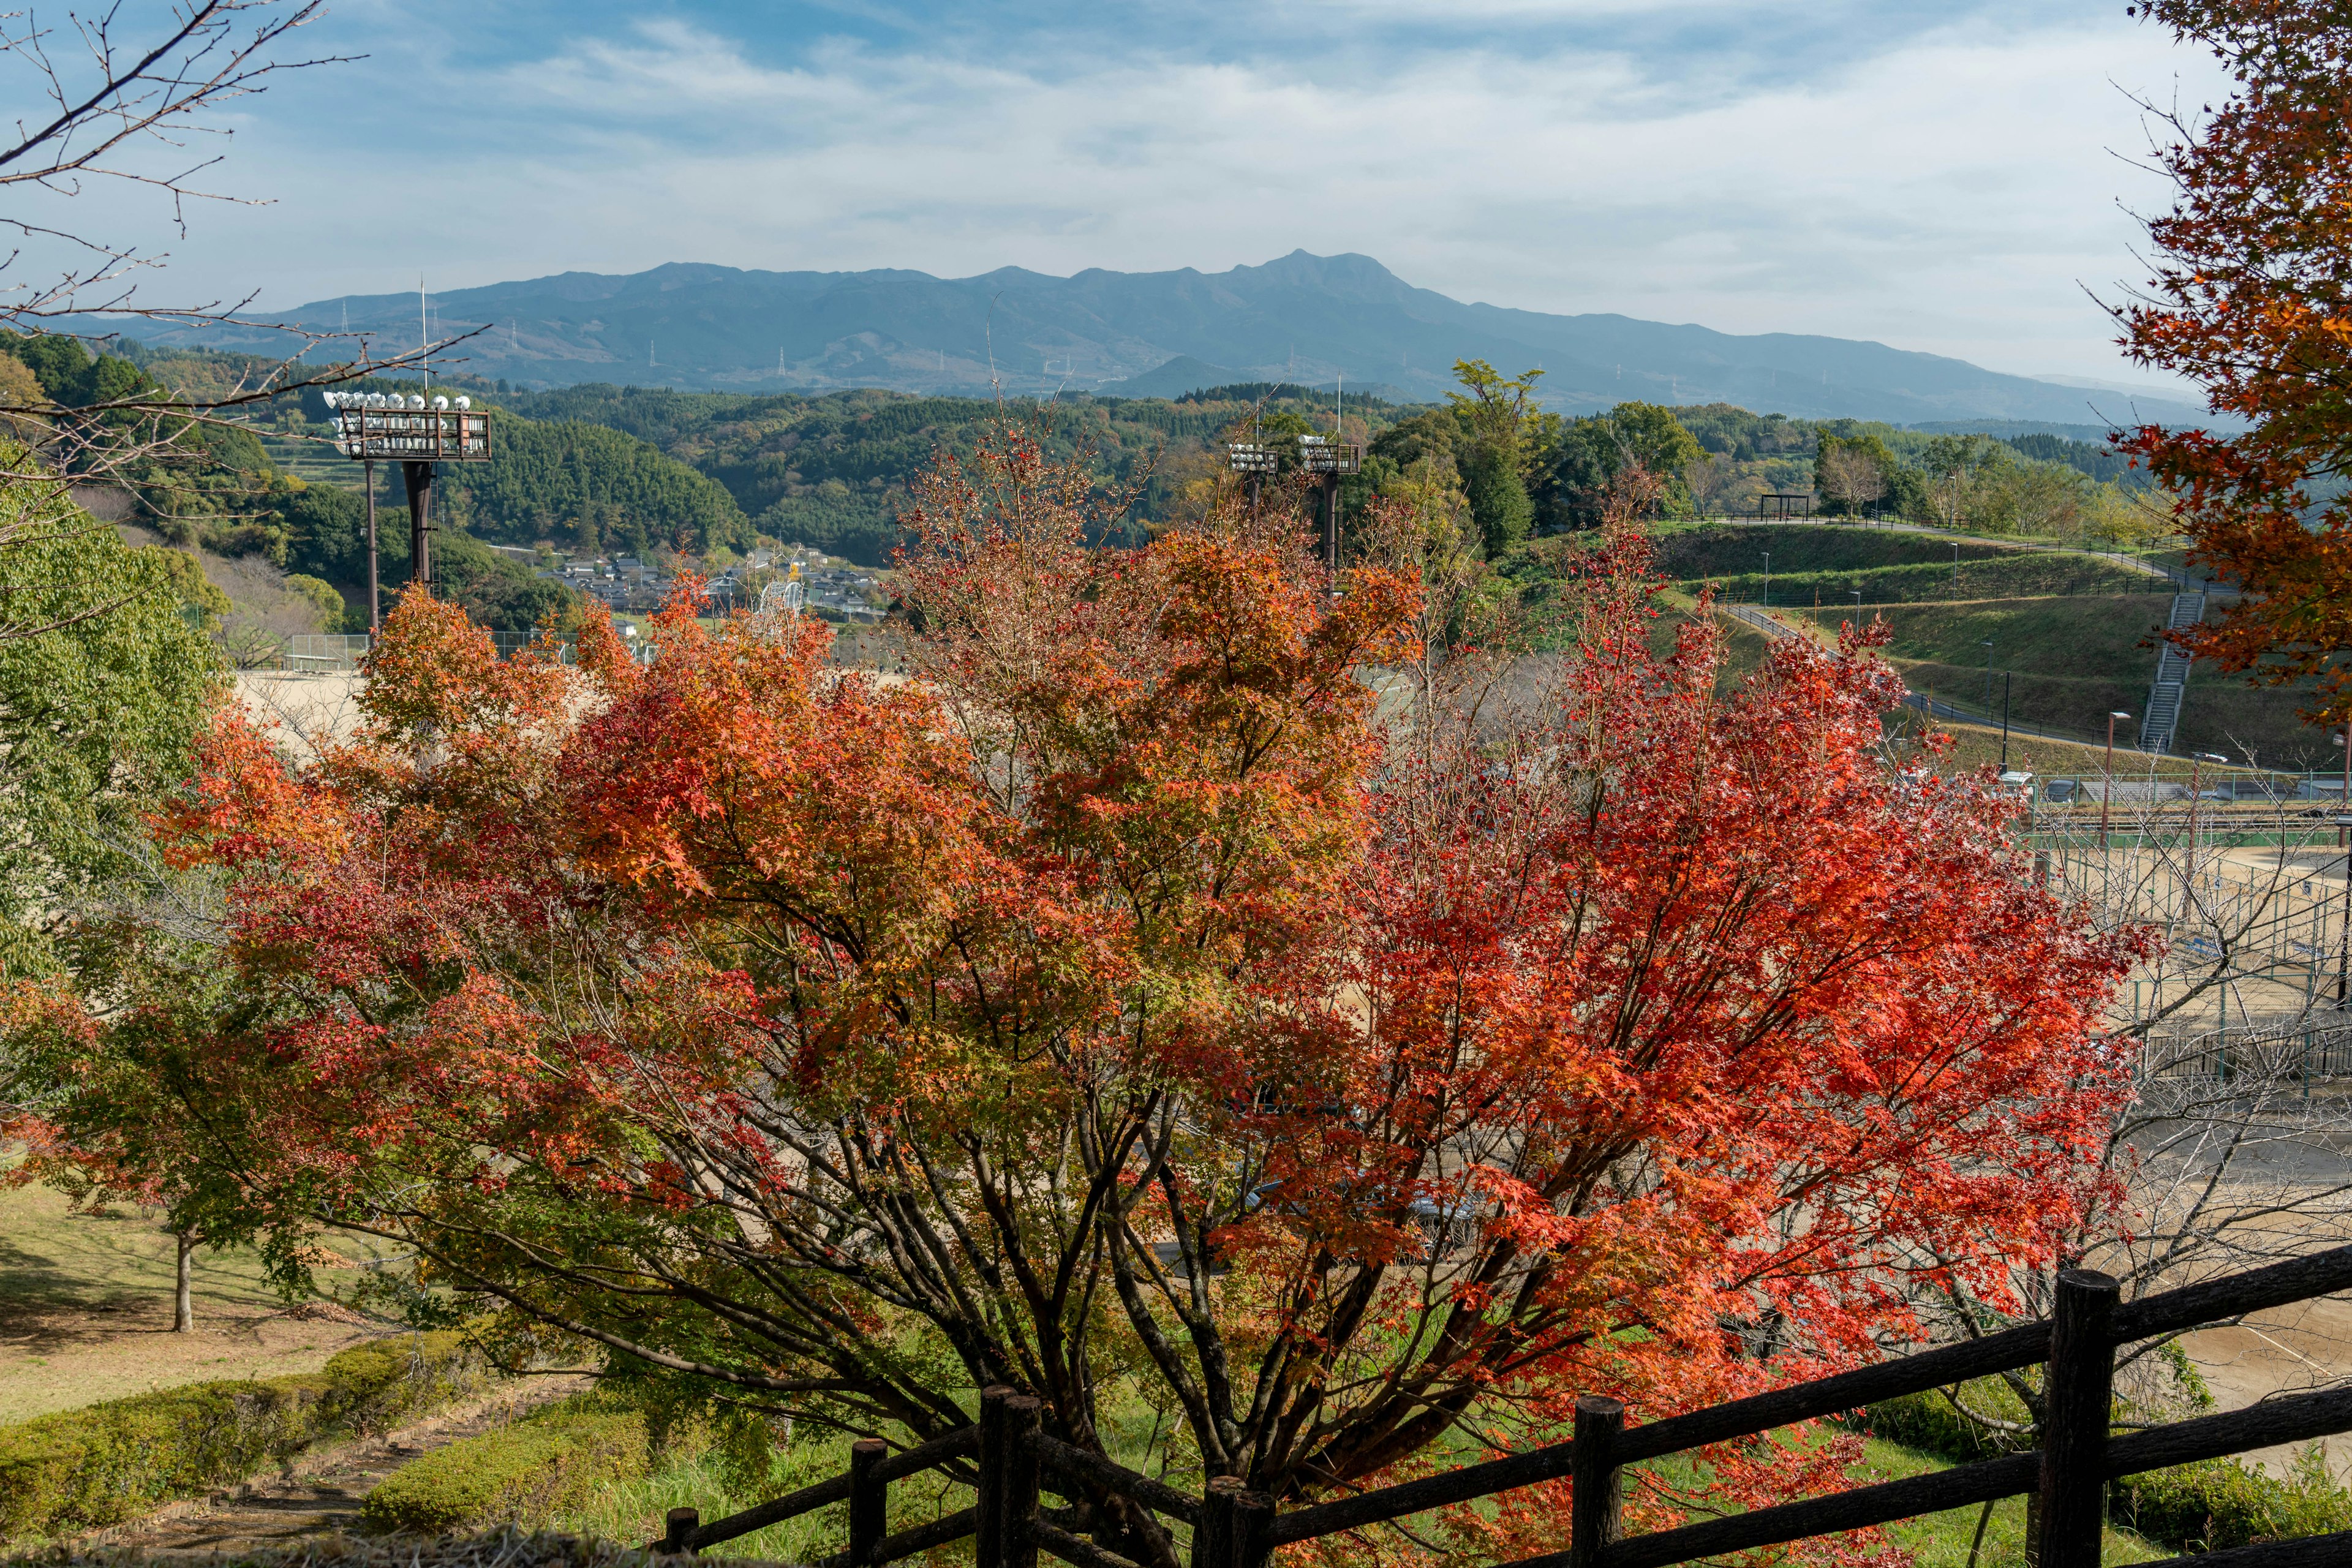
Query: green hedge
x=2198 y=1508
x=80 y=1470
x=548 y=1463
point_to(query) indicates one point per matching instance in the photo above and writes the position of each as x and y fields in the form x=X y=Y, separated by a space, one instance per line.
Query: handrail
x=1857 y=1510
x=1234 y=1528
x=2167 y=1313
x=792 y=1504
x=906 y=1542
x=1078 y=1465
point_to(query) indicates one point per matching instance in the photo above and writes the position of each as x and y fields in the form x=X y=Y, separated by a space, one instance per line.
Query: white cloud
x=1946 y=193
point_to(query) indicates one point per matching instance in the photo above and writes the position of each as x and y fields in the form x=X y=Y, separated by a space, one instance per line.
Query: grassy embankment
x=2074 y=631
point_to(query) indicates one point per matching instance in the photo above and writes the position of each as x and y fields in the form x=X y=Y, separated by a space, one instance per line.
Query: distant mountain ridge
x=1303 y=318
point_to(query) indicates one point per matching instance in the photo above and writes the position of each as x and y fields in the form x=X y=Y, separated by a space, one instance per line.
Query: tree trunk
x=184 y=1310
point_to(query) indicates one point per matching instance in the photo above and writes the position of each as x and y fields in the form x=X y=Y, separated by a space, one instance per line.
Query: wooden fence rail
x=1014 y=1461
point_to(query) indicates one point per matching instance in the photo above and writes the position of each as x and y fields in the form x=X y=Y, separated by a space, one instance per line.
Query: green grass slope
x=2072 y=660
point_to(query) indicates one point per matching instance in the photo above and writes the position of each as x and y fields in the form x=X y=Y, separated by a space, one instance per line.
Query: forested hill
x=592 y=488
x=832 y=472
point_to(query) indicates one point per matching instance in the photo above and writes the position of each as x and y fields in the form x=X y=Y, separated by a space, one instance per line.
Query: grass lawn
x=1942 y=1539
x=86 y=1312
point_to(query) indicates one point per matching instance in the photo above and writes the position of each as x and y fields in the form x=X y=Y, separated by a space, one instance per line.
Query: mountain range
x=1309 y=319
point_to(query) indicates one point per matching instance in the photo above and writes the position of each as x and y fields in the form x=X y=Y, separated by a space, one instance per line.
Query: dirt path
x=320 y=1493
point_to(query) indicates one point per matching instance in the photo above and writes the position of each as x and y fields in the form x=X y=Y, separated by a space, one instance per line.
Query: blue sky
x=1944 y=178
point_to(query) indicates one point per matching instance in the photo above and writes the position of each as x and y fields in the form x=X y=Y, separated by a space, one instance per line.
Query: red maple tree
x=2253 y=300
x=1117 y=1009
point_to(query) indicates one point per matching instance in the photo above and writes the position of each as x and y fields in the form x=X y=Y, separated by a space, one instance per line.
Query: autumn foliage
x=1131 y=1009
x=2253 y=300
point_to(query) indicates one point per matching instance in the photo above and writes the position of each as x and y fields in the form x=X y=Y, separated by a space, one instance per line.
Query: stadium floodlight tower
x=1254 y=458
x=1326 y=457
x=416 y=433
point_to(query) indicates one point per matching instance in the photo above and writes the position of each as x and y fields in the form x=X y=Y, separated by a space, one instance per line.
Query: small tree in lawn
x=1116 y=1012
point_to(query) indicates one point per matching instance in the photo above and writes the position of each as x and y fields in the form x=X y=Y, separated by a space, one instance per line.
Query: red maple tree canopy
x=1130 y=1007
x=2253 y=300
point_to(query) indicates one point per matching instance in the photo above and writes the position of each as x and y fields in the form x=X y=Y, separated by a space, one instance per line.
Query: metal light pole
x=1857 y=600
x=2107 y=786
x=2004 y=718
x=2196 y=793
x=2344 y=927
x=375 y=606
x=1767 y=578
x=1986 y=644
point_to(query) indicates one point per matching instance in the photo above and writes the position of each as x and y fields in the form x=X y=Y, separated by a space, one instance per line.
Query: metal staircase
x=2171 y=686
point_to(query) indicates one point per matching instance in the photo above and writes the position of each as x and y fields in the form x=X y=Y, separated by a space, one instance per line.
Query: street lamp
x=1857 y=600
x=2107 y=787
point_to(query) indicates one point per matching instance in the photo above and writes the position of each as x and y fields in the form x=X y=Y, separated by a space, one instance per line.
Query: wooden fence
x=1010 y=1462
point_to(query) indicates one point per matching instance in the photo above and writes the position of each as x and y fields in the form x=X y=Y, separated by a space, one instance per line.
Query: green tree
x=1852 y=471
x=1500 y=447
x=1585 y=457
x=105 y=680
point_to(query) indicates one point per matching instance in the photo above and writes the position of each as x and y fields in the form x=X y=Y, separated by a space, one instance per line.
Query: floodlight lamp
x=464 y=403
x=440 y=405
x=333 y=399
x=417 y=400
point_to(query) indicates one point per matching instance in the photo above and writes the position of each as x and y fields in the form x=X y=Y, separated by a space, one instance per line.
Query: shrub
x=2221 y=1503
x=2199 y=1508
x=78 y=1469
x=544 y=1464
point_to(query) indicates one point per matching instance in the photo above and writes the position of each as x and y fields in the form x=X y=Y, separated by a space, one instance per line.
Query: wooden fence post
x=988 y=1507
x=1024 y=1419
x=1592 y=1472
x=678 y=1526
x=1233 y=1524
x=1212 y=1538
x=1252 y=1514
x=869 y=1501
x=2079 y=1403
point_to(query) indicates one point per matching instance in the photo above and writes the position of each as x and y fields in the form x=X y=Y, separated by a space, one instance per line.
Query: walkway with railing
x=1010 y=1462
